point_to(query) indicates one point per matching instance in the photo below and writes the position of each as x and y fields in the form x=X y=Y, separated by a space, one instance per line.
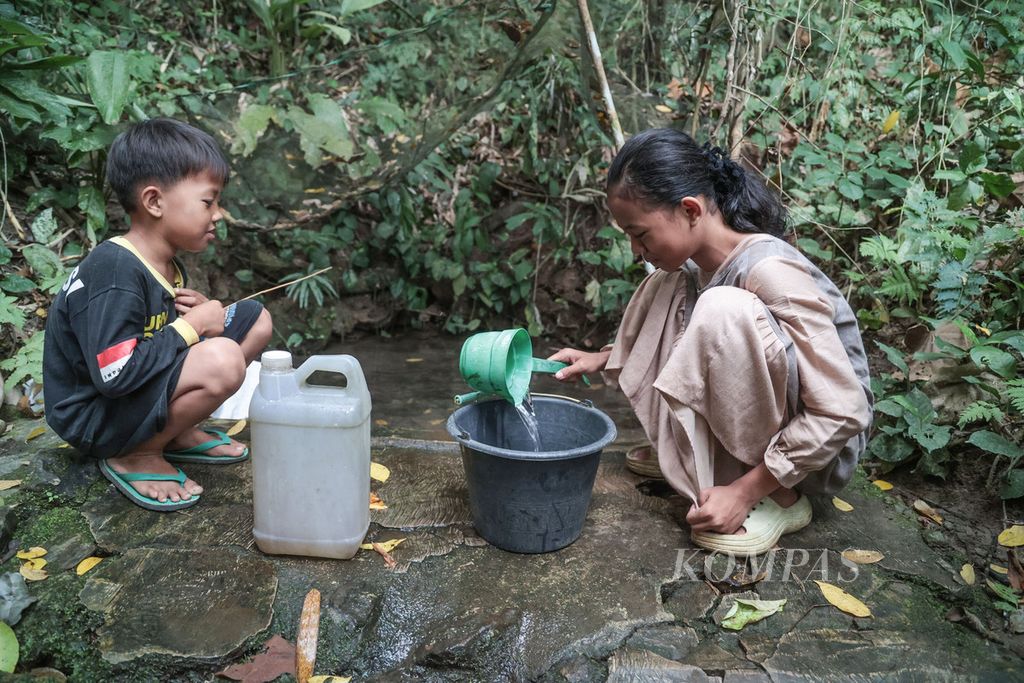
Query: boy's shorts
x=143 y=413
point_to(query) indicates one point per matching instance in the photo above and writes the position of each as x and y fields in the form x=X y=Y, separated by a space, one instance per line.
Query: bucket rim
x=464 y=439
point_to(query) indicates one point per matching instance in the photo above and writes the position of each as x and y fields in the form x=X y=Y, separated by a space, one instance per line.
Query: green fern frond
x=1015 y=394
x=980 y=411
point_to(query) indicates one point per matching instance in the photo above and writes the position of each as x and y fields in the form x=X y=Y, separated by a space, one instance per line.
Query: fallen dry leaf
x=967 y=574
x=38 y=431
x=278 y=658
x=389 y=561
x=236 y=428
x=31 y=574
x=31 y=553
x=675 y=88
x=841 y=504
x=843 y=600
x=997 y=569
x=381 y=423
x=9 y=483
x=863 y=556
x=64 y=445
x=436 y=422
x=387 y=545
x=376 y=503
x=1016 y=572
x=330 y=679
x=87 y=564
x=305 y=641
x=379 y=472
x=882 y=484
x=35 y=563
x=927 y=510
x=413 y=360
x=663 y=108
x=1012 y=537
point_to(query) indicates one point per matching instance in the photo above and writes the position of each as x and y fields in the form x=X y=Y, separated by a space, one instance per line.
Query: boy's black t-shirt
x=113 y=352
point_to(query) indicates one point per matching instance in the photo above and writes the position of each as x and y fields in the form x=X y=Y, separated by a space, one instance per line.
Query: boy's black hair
x=161 y=151
x=661 y=166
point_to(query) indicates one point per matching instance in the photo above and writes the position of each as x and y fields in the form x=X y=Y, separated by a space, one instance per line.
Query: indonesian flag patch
x=113 y=359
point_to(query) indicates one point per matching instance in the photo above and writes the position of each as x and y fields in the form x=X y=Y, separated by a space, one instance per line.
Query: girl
x=741 y=359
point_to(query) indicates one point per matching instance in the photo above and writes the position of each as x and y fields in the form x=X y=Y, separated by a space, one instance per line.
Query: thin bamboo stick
x=606 y=93
x=286 y=284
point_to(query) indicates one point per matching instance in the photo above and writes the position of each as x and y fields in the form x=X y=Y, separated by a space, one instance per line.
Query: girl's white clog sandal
x=646 y=466
x=765 y=524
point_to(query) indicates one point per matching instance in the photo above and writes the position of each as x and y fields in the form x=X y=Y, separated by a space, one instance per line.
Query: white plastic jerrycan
x=310 y=458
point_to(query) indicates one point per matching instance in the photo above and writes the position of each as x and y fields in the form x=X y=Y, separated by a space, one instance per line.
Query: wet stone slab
x=201 y=604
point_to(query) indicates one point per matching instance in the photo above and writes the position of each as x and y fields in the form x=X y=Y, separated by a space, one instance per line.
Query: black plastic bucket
x=520 y=499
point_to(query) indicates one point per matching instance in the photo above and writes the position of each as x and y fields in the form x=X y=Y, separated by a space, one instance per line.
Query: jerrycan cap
x=279 y=361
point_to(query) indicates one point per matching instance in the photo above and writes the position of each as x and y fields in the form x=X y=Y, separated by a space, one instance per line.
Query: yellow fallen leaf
x=387 y=545
x=379 y=472
x=309 y=632
x=31 y=574
x=31 y=553
x=863 y=556
x=841 y=504
x=413 y=360
x=843 y=600
x=984 y=330
x=235 y=428
x=967 y=574
x=929 y=512
x=330 y=679
x=64 y=445
x=882 y=484
x=34 y=433
x=1012 y=537
x=8 y=483
x=891 y=121
x=376 y=503
x=87 y=564
x=381 y=423
x=315 y=190
x=436 y=422
x=663 y=108
x=35 y=563
x=999 y=570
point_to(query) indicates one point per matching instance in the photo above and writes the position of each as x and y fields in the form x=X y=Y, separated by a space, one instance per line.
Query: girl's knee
x=719 y=305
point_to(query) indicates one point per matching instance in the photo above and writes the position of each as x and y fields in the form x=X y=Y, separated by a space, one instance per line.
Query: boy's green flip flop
x=198 y=454
x=121 y=481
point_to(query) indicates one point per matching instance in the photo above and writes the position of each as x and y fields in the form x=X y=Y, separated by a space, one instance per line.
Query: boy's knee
x=262 y=329
x=223 y=364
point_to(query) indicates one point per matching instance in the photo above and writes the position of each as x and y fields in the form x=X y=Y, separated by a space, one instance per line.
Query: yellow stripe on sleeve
x=187 y=332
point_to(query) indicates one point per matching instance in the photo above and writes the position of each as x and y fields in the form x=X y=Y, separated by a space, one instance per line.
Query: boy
x=133 y=360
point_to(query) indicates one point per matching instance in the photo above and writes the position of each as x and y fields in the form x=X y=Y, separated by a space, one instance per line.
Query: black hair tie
x=726 y=174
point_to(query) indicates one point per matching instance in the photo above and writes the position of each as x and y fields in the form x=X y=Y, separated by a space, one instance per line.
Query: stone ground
x=180 y=596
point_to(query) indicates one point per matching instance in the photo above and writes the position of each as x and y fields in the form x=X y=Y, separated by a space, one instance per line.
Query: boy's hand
x=207 y=318
x=187 y=299
x=580 y=363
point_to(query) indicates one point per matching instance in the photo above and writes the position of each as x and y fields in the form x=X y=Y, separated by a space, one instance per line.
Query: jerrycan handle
x=342 y=364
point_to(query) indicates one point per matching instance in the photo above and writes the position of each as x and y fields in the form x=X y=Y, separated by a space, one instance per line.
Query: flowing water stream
x=529 y=418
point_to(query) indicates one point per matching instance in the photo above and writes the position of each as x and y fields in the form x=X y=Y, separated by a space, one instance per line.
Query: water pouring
x=501 y=364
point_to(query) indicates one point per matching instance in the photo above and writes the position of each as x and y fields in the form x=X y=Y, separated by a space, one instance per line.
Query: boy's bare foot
x=195 y=436
x=154 y=463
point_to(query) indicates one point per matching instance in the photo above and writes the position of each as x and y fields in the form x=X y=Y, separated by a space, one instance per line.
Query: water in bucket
x=310 y=457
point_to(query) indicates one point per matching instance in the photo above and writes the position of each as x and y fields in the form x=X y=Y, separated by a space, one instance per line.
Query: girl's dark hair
x=163 y=151
x=660 y=166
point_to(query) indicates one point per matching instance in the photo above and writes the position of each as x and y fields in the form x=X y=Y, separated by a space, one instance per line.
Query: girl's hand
x=721 y=510
x=207 y=319
x=186 y=299
x=580 y=363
